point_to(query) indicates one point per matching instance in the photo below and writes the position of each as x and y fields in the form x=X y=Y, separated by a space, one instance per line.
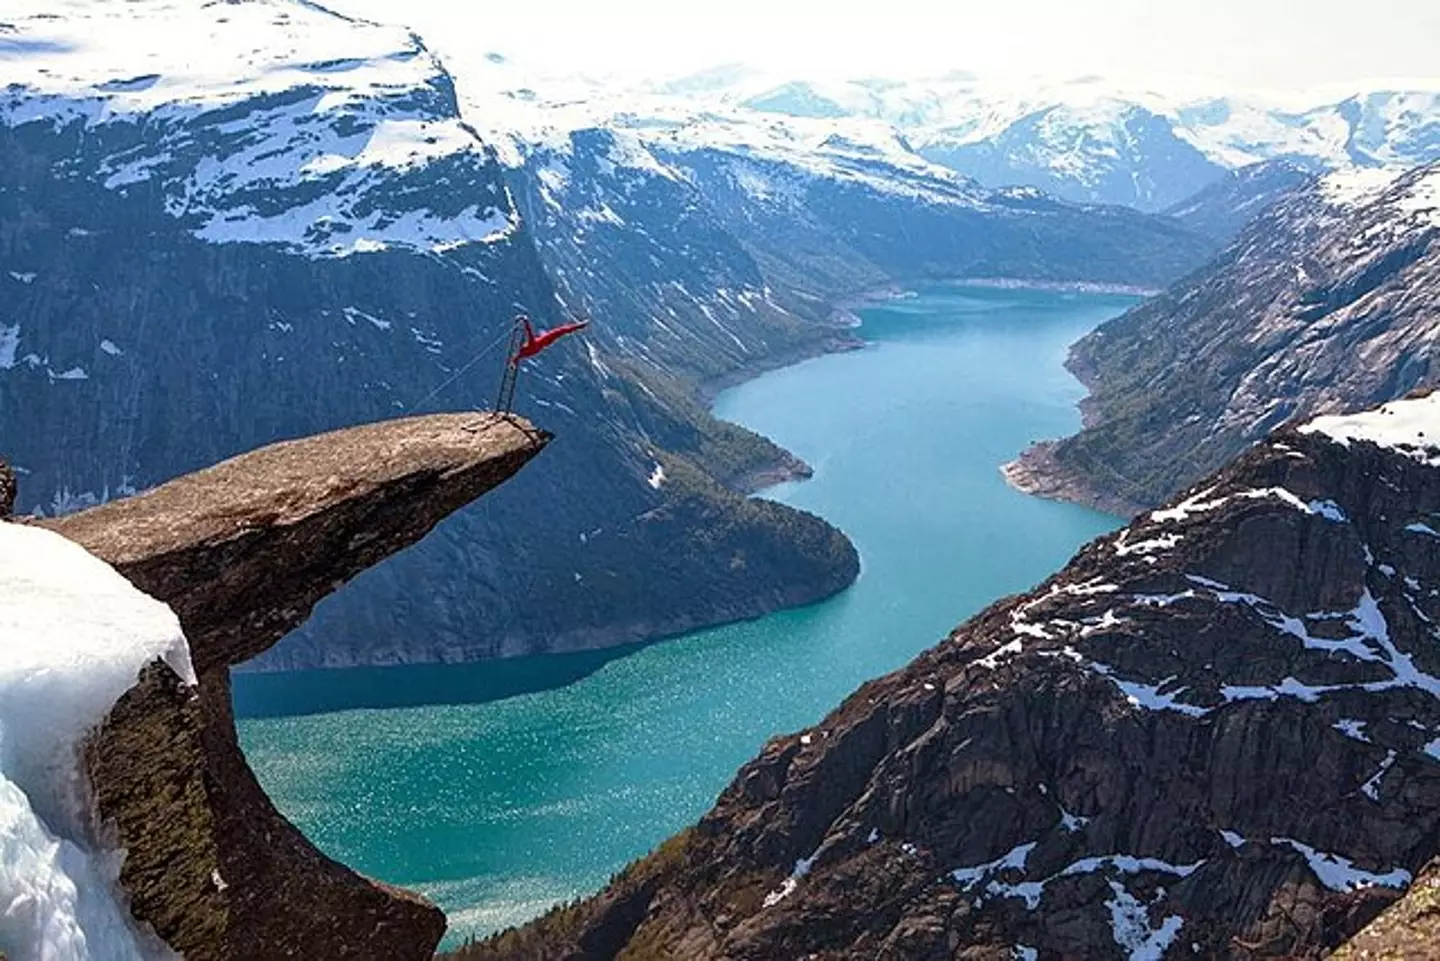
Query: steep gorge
x=1212 y=734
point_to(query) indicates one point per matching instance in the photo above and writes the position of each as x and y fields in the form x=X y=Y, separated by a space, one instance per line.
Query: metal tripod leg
x=506 y=396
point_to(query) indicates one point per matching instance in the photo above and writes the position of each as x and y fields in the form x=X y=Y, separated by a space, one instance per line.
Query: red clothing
x=534 y=343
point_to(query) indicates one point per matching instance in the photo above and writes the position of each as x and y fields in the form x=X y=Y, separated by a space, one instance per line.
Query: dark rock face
x=7 y=489
x=1323 y=304
x=1211 y=735
x=242 y=551
x=1409 y=929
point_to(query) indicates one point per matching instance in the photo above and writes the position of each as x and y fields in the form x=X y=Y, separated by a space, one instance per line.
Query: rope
x=484 y=352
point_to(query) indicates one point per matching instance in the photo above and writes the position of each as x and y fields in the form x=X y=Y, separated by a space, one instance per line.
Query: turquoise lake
x=531 y=781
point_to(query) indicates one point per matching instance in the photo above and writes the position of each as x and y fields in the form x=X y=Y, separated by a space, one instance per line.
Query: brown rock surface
x=1408 y=931
x=242 y=551
x=1212 y=735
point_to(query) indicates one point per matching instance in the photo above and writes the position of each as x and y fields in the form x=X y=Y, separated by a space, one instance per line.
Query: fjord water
x=527 y=782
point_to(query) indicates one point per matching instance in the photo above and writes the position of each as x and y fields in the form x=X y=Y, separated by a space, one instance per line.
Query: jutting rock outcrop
x=242 y=551
x=1214 y=734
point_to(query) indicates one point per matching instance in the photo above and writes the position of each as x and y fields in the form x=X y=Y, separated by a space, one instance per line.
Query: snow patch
x=77 y=635
x=1340 y=874
x=1351 y=728
x=1014 y=859
x=992 y=660
x=353 y=314
x=1355 y=186
x=1411 y=427
x=1164 y=542
x=9 y=343
x=1194 y=504
x=797 y=873
x=1072 y=822
x=1130 y=927
x=1371 y=788
x=1148 y=697
x=1423 y=198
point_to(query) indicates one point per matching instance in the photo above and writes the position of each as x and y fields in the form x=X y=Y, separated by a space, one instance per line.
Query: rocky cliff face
x=1213 y=734
x=241 y=552
x=1325 y=303
x=1225 y=207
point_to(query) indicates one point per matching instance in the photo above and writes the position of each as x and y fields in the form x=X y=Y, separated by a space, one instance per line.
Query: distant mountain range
x=1092 y=141
x=1086 y=140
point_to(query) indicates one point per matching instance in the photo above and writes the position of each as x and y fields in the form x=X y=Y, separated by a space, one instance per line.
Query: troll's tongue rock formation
x=1214 y=734
x=241 y=552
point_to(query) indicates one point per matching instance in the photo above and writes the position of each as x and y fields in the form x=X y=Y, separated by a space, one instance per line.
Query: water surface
x=527 y=782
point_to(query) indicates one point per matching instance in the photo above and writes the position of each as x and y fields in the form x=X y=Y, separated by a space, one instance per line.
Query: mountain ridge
x=1269 y=331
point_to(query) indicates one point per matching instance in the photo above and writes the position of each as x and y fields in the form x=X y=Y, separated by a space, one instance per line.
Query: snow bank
x=1409 y=426
x=74 y=636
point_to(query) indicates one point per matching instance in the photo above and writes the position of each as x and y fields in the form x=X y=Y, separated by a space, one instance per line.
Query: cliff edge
x=241 y=552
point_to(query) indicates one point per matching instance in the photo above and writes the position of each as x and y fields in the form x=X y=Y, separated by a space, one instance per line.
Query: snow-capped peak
x=273 y=121
x=1354 y=186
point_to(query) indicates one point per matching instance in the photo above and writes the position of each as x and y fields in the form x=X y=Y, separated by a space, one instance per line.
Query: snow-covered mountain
x=295 y=127
x=226 y=223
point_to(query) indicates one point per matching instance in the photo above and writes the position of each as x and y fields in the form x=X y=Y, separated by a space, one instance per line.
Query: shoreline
x=843 y=310
x=1057 y=286
x=707 y=390
x=1035 y=472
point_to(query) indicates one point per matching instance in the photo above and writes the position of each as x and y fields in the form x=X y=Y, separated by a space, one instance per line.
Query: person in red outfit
x=534 y=343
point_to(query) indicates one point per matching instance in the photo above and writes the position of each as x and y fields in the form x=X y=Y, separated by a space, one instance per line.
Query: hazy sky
x=1269 y=43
